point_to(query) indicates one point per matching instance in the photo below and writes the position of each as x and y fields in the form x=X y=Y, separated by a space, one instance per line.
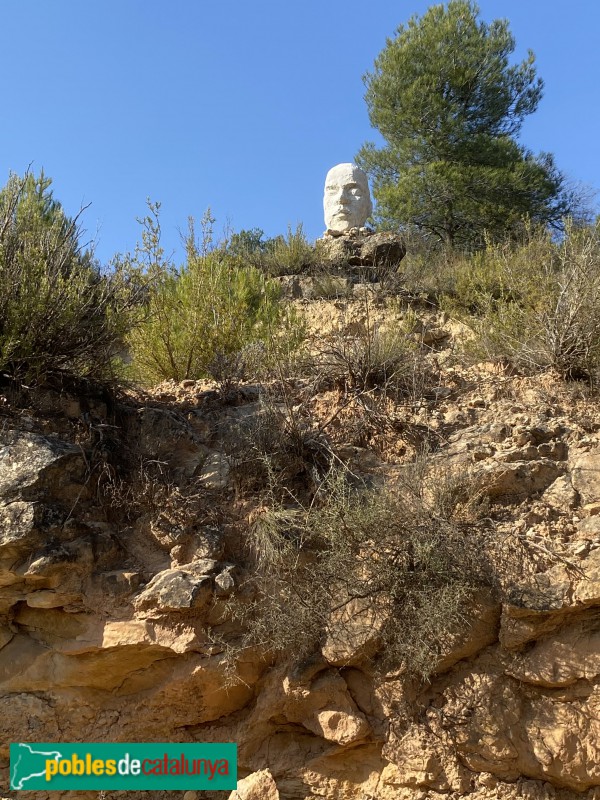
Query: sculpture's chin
x=339 y=226
x=340 y=222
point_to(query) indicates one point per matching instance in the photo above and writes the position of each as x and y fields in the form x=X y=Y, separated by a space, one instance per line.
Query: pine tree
x=450 y=107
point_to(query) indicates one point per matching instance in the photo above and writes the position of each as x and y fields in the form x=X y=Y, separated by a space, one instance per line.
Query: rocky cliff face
x=120 y=558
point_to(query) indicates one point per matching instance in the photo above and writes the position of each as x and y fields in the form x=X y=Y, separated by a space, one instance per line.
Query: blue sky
x=240 y=106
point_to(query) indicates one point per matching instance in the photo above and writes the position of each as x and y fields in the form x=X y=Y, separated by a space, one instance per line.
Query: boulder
x=585 y=474
x=30 y=463
x=215 y=471
x=257 y=786
x=382 y=249
x=185 y=588
x=362 y=248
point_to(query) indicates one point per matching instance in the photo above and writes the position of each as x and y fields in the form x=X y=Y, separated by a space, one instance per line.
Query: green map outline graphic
x=13 y=777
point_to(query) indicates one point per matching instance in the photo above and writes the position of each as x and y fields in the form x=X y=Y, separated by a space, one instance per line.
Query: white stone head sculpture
x=347 y=201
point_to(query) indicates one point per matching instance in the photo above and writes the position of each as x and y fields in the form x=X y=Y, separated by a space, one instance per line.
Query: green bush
x=215 y=316
x=281 y=255
x=377 y=359
x=58 y=312
x=537 y=303
x=288 y=255
x=427 y=268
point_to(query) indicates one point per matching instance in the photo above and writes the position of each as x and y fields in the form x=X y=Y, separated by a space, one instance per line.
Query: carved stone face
x=347 y=201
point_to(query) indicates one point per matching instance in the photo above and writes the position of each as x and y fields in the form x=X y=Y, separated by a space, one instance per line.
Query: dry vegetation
x=401 y=565
x=337 y=555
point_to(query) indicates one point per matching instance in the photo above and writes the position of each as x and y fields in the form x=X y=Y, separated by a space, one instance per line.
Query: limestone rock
x=326 y=708
x=356 y=250
x=30 y=462
x=257 y=786
x=290 y=286
x=340 y=250
x=561 y=493
x=542 y=606
x=519 y=479
x=215 y=471
x=17 y=531
x=178 y=589
x=225 y=581
x=165 y=435
x=590 y=527
x=316 y=701
x=586 y=590
x=382 y=249
x=353 y=634
x=418 y=761
x=42 y=546
x=478 y=630
x=585 y=474
x=523 y=732
x=568 y=656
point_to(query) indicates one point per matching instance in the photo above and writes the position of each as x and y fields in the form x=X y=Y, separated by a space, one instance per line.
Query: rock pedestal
x=362 y=248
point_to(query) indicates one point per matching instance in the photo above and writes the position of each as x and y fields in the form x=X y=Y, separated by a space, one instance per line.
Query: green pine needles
x=450 y=106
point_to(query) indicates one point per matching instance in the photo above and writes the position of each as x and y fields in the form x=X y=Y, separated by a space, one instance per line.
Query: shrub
x=214 y=316
x=247 y=243
x=538 y=303
x=289 y=255
x=58 y=312
x=386 y=558
x=281 y=255
x=279 y=449
x=427 y=267
x=372 y=358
